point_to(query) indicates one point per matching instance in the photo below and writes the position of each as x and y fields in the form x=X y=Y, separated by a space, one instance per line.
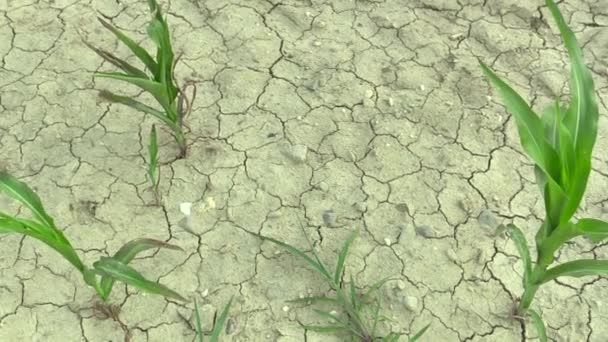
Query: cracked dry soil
x=372 y=114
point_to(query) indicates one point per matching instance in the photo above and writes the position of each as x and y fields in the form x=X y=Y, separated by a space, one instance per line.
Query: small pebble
x=422 y=87
x=186 y=208
x=411 y=303
x=299 y=152
x=285 y=308
x=425 y=231
x=230 y=326
x=205 y=293
x=323 y=187
x=369 y=93
x=402 y=207
x=210 y=203
x=333 y=312
x=391 y=102
x=387 y=241
x=488 y=219
x=401 y=284
x=329 y=218
x=316 y=43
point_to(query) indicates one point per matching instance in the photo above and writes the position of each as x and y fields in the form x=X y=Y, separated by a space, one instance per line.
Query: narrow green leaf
x=354 y=297
x=367 y=294
x=127 y=101
x=577 y=268
x=325 y=329
x=220 y=322
x=582 y=116
x=342 y=256
x=126 y=254
x=197 y=323
x=140 y=52
x=539 y=325
x=9 y=225
x=376 y=316
x=154 y=88
x=420 y=333
x=296 y=252
x=113 y=268
x=522 y=247
x=119 y=63
x=153 y=158
x=313 y=300
x=22 y=193
x=529 y=125
x=330 y=316
x=392 y=337
x=594 y=230
x=50 y=236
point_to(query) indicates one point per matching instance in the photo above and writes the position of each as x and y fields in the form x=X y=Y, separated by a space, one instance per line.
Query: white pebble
x=422 y=87
x=210 y=202
x=316 y=43
x=186 y=208
x=286 y=308
x=369 y=93
x=387 y=241
x=205 y=293
x=391 y=102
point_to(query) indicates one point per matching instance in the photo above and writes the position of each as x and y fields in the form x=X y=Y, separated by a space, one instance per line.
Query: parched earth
x=318 y=117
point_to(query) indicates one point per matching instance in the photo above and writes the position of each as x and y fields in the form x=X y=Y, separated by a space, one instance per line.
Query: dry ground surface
x=333 y=115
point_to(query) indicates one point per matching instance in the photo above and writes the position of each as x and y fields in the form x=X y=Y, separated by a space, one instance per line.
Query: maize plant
x=560 y=143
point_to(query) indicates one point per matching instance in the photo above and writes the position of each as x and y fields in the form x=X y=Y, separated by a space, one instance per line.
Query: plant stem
x=181 y=142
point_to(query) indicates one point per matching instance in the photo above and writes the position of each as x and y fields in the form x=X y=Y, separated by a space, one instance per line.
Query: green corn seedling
x=218 y=327
x=560 y=144
x=160 y=82
x=362 y=310
x=153 y=163
x=106 y=271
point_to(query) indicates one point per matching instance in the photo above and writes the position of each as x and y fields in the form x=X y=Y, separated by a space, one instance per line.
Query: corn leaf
x=530 y=127
x=111 y=267
x=325 y=329
x=296 y=252
x=126 y=254
x=22 y=193
x=582 y=116
x=342 y=257
x=313 y=300
x=594 y=230
x=522 y=247
x=153 y=158
x=577 y=268
x=127 y=101
x=47 y=235
x=119 y=63
x=419 y=333
x=539 y=325
x=140 y=52
x=154 y=88
x=158 y=31
x=197 y=323
x=354 y=297
x=220 y=322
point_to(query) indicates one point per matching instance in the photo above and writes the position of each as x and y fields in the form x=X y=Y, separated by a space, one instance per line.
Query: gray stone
x=329 y=218
x=425 y=231
x=488 y=219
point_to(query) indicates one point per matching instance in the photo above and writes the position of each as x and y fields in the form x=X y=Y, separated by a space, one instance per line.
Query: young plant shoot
x=218 y=327
x=153 y=163
x=560 y=144
x=361 y=310
x=159 y=79
x=105 y=271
